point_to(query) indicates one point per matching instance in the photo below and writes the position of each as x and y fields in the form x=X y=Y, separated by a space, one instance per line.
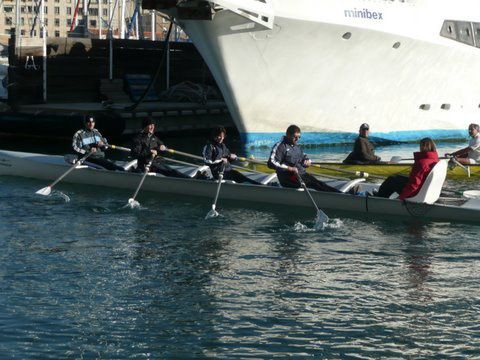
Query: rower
x=471 y=154
x=289 y=161
x=146 y=147
x=88 y=140
x=218 y=157
x=363 y=150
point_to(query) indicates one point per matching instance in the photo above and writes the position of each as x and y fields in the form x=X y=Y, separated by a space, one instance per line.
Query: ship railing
x=259 y=11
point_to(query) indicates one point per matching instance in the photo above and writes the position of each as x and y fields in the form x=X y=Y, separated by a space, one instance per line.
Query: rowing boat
x=376 y=170
x=48 y=167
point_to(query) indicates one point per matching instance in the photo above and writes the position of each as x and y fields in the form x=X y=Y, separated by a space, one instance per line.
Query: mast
x=44 y=49
x=18 y=32
x=122 y=19
x=154 y=23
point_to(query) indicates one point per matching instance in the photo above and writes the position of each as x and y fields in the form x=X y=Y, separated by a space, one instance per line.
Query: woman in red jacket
x=408 y=187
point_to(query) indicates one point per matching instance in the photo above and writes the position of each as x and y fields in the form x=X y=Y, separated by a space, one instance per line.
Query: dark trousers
x=166 y=170
x=310 y=181
x=392 y=184
x=236 y=176
x=107 y=164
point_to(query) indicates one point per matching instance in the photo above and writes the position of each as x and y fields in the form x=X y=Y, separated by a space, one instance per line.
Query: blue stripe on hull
x=253 y=140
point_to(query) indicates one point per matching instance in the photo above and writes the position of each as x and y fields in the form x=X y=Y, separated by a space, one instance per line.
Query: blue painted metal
x=253 y=140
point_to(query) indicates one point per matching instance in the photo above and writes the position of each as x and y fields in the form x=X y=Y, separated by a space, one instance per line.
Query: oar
x=396 y=159
x=172 y=151
x=48 y=189
x=132 y=202
x=120 y=148
x=361 y=174
x=213 y=213
x=321 y=218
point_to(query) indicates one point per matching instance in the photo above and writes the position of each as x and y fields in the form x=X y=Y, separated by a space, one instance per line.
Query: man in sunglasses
x=363 y=150
x=289 y=161
x=90 y=140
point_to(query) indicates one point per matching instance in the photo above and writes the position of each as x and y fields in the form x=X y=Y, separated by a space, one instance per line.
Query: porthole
x=445 y=107
x=449 y=29
x=347 y=35
x=424 y=107
x=396 y=45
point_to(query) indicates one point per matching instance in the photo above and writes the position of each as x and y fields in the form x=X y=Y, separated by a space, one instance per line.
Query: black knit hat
x=148 y=121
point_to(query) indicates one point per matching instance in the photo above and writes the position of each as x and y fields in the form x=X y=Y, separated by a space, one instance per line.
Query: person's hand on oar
x=48 y=189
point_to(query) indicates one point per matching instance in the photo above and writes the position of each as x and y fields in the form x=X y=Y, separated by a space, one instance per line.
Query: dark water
x=90 y=279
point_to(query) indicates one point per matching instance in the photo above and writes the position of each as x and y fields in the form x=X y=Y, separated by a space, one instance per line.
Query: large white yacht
x=409 y=68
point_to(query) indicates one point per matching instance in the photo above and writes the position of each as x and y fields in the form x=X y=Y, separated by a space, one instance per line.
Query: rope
x=157 y=74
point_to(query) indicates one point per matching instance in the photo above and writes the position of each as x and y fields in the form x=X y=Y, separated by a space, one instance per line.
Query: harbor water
x=90 y=278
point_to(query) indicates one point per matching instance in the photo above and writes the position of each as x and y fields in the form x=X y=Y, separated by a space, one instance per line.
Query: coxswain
x=363 y=150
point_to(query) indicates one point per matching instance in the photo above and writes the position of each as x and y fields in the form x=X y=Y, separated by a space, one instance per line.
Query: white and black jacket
x=284 y=155
x=84 y=140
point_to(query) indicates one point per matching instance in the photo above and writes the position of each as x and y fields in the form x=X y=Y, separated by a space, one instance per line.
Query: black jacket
x=142 y=144
x=213 y=153
x=363 y=153
x=284 y=155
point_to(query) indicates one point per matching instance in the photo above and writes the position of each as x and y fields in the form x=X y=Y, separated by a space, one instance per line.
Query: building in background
x=67 y=18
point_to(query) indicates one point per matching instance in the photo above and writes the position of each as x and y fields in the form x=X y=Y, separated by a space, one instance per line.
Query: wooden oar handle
x=121 y=148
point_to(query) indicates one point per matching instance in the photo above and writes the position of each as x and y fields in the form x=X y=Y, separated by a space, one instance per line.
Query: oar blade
x=44 y=191
x=212 y=213
x=133 y=204
x=321 y=220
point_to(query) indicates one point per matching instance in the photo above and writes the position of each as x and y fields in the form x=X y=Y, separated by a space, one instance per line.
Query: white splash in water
x=329 y=225
x=299 y=227
x=334 y=224
x=132 y=204
x=62 y=195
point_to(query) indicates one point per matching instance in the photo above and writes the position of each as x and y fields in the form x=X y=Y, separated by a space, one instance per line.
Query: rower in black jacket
x=218 y=157
x=289 y=161
x=363 y=151
x=146 y=146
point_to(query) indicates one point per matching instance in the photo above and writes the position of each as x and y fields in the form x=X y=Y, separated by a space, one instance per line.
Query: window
x=57 y=10
x=105 y=2
x=69 y=10
x=69 y=22
x=45 y=10
x=8 y=9
x=22 y=21
x=7 y=31
x=93 y=12
x=57 y=33
x=57 y=22
x=8 y=21
x=93 y=23
x=104 y=12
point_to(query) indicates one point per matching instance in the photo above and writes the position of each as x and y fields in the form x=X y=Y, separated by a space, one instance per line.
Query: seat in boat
x=349 y=185
x=432 y=187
